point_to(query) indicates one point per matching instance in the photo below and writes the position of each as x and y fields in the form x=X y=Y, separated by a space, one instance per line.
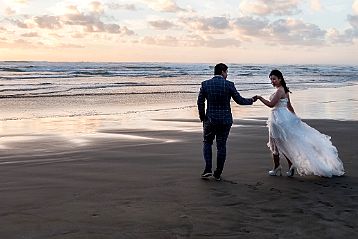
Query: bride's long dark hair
x=280 y=76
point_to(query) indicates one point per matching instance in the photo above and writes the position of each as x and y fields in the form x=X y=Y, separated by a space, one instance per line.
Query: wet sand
x=134 y=183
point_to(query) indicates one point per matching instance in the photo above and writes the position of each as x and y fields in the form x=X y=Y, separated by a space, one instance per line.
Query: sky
x=192 y=31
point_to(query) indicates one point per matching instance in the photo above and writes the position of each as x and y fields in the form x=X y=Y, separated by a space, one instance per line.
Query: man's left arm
x=238 y=98
x=201 y=104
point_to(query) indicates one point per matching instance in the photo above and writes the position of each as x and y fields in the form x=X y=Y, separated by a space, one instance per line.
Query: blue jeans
x=221 y=133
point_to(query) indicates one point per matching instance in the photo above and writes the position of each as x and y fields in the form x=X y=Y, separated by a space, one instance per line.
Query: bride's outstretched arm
x=273 y=102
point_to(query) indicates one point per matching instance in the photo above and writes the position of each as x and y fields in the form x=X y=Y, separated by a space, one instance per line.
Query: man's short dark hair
x=219 y=68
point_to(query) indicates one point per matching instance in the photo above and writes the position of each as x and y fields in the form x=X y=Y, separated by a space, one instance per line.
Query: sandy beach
x=137 y=174
x=146 y=184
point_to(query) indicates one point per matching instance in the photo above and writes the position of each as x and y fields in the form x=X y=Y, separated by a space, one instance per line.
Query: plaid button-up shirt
x=218 y=93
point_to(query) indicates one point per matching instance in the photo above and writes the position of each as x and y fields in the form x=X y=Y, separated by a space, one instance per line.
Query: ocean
x=128 y=92
x=44 y=79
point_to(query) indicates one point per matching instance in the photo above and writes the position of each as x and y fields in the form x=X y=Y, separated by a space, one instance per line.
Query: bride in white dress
x=306 y=149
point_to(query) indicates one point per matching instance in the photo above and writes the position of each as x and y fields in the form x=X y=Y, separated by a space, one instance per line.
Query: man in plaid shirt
x=217 y=120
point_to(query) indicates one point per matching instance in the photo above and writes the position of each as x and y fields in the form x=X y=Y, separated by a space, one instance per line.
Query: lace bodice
x=282 y=103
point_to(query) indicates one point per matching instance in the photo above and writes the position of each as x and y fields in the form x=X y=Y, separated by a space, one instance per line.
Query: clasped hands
x=256 y=97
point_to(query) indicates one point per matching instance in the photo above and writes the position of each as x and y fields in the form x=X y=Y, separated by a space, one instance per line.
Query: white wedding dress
x=311 y=152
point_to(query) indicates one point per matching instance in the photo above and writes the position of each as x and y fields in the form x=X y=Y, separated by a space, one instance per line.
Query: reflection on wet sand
x=325 y=103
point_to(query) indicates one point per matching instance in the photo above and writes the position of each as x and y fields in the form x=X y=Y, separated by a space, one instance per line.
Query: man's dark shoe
x=206 y=174
x=217 y=176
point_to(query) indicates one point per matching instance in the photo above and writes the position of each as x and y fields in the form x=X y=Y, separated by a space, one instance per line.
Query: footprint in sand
x=228 y=181
x=321 y=184
x=275 y=190
x=185 y=227
x=233 y=204
x=326 y=203
x=254 y=187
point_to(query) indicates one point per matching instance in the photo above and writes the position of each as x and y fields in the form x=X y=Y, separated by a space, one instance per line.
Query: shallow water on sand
x=71 y=117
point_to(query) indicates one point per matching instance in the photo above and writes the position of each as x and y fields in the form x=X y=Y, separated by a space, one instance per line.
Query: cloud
x=270 y=7
x=353 y=32
x=261 y=22
x=70 y=46
x=73 y=20
x=335 y=37
x=9 y=12
x=78 y=35
x=96 y=7
x=355 y=7
x=219 y=42
x=210 y=24
x=130 y=7
x=161 y=24
x=21 y=1
x=30 y=34
x=192 y=41
x=163 y=41
x=164 y=5
x=20 y=23
x=347 y=37
x=20 y=43
x=25 y=44
x=295 y=32
x=353 y=20
x=55 y=35
x=249 y=26
x=280 y=32
x=2 y=28
x=91 y=22
x=49 y=22
x=72 y=9
x=316 y=5
x=126 y=31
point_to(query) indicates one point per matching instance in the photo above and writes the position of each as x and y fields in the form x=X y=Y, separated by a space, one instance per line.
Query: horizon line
x=173 y=62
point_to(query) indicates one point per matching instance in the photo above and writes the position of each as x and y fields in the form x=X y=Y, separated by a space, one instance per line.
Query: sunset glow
x=255 y=31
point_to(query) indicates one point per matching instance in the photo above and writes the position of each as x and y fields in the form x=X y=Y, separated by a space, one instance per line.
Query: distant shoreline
x=184 y=63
